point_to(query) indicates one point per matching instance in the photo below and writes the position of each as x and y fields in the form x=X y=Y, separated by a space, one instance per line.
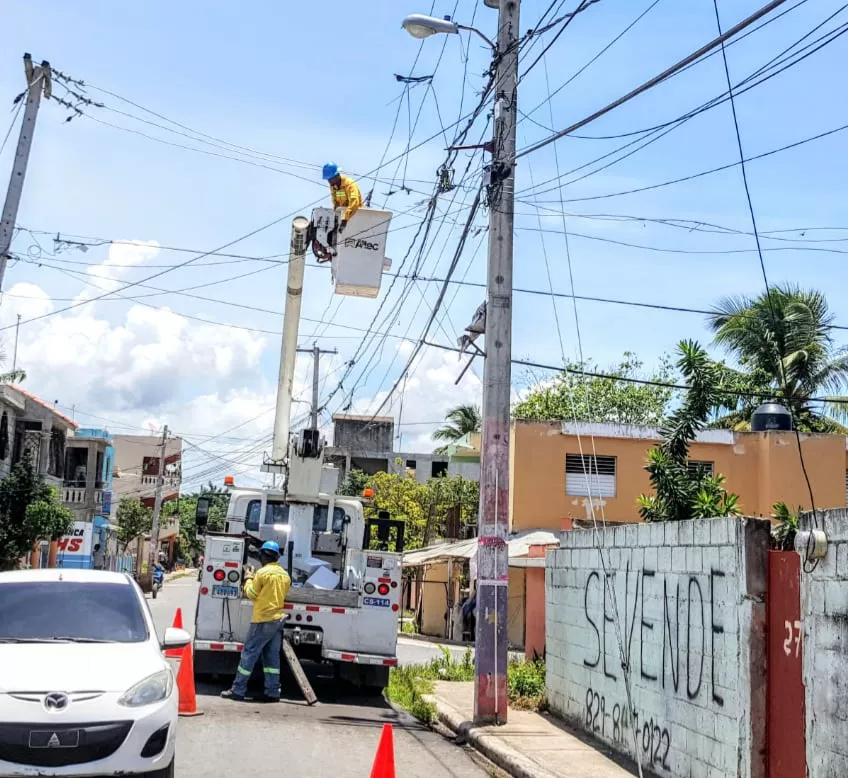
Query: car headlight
x=154 y=688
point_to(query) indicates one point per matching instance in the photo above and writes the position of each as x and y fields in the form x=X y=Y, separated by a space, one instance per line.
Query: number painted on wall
x=793 y=634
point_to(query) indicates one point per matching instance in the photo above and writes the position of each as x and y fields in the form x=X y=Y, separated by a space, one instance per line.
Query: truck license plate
x=380 y=602
x=226 y=592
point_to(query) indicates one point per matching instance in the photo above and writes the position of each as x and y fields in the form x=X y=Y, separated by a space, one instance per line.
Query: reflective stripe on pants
x=263 y=641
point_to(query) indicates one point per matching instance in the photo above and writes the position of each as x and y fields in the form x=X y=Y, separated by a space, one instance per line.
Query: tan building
x=137 y=467
x=549 y=462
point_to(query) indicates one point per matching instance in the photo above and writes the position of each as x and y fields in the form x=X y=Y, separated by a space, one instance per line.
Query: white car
x=85 y=688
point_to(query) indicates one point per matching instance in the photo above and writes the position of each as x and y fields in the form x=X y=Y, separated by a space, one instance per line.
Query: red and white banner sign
x=79 y=540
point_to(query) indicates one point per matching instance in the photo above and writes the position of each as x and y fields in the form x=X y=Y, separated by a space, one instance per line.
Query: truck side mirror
x=201 y=514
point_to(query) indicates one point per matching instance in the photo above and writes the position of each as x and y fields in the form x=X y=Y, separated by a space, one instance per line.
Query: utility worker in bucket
x=268 y=589
x=343 y=191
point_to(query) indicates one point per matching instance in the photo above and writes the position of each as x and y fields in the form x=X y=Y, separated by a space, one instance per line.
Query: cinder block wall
x=824 y=609
x=690 y=624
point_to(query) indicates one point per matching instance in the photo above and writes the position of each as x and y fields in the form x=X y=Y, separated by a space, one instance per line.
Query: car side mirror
x=175 y=638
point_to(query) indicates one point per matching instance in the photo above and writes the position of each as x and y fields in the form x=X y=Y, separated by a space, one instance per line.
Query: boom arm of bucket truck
x=358 y=262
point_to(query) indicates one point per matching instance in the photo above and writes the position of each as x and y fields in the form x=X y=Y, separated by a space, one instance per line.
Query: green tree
x=460 y=421
x=681 y=492
x=185 y=509
x=425 y=508
x=134 y=519
x=30 y=511
x=782 y=341
x=354 y=483
x=578 y=394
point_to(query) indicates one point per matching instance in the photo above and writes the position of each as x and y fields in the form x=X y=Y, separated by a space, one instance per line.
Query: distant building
x=136 y=473
x=367 y=443
x=86 y=490
x=464 y=456
x=30 y=425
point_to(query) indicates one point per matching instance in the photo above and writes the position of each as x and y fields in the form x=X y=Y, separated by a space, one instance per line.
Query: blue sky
x=308 y=85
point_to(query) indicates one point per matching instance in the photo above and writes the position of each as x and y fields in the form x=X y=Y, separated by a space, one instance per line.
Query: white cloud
x=428 y=395
x=112 y=273
x=150 y=361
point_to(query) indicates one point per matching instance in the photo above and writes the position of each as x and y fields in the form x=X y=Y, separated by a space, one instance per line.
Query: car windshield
x=70 y=611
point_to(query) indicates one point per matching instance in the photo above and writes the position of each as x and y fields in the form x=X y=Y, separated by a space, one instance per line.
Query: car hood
x=76 y=667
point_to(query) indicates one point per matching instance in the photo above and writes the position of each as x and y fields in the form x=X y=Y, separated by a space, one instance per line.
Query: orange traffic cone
x=176 y=653
x=185 y=684
x=384 y=761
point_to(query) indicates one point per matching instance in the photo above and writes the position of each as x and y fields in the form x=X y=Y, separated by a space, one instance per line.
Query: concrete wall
x=762 y=468
x=824 y=612
x=363 y=433
x=469 y=469
x=690 y=599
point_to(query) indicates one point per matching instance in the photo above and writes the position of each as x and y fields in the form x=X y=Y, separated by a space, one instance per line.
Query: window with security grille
x=589 y=475
x=705 y=468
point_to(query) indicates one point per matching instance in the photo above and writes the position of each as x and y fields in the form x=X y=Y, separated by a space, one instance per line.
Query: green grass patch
x=408 y=628
x=406 y=688
x=526 y=685
x=408 y=685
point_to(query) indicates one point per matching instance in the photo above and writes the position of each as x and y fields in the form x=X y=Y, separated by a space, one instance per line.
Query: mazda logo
x=56 y=701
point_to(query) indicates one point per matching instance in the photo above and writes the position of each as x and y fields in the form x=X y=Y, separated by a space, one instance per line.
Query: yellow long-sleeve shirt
x=346 y=196
x=268 y=590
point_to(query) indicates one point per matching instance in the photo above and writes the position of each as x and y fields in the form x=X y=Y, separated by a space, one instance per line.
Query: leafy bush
x=783 y=535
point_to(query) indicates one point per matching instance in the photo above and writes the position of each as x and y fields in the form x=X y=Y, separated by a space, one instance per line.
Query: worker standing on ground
x=268 y=589
x=343 y=191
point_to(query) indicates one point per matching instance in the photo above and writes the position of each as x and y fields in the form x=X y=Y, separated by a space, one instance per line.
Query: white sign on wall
x=78 y=542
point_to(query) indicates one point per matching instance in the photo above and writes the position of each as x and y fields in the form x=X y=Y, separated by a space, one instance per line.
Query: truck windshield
x=70 y=611
x=319 y=519
x=275 y=513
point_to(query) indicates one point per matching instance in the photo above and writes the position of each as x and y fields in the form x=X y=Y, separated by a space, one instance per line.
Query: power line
x=702 y=173
x=528 y=115
x=16 y=112
x=656 y=79
x=762 y=261
x=651 y=135
x=767 y=394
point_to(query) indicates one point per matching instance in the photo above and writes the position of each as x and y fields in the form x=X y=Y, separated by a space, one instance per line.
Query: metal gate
x=786 y=742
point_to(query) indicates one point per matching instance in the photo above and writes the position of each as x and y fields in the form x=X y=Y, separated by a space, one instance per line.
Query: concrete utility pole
x=38 y=82
x=157 y=507
x=490 y=699
x=316 y=358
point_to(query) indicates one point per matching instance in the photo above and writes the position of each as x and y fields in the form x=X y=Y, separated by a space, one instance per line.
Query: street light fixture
x=423 y=26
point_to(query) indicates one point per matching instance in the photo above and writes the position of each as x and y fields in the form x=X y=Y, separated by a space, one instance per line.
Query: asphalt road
x=338 y=736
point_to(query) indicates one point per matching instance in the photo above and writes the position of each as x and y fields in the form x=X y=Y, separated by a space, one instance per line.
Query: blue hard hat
x=331 y=170
x=270 y=545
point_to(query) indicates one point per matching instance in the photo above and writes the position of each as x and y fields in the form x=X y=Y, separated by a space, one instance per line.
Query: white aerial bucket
x=359 y=257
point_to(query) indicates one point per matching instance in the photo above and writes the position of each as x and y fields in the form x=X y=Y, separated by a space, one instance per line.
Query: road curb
x=508 y=759
x=433 y=640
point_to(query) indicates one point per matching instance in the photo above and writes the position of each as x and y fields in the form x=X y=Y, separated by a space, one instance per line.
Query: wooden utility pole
x=38 y=82
x=490 y=698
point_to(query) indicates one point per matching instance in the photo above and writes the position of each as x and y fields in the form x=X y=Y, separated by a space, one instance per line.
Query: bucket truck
x=344 y=603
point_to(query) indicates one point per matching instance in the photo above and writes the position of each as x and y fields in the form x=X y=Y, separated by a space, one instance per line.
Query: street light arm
x=474 y=29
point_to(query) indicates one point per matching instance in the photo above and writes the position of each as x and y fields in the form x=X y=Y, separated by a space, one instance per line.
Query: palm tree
x=782 y=341
x=11 y=376
x=461 y=420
